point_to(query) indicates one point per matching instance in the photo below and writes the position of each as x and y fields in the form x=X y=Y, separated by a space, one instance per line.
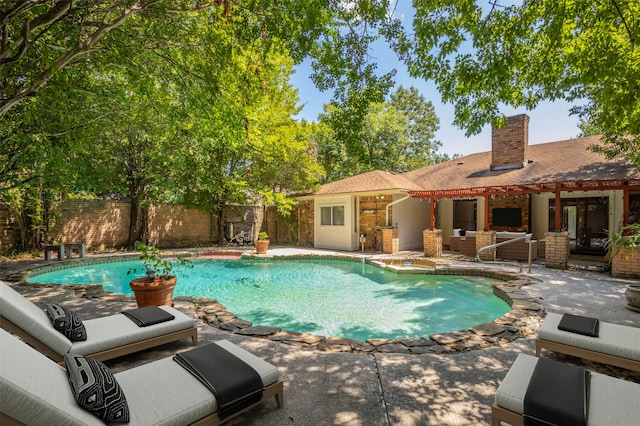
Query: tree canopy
x=483 y=55
x=397 y=135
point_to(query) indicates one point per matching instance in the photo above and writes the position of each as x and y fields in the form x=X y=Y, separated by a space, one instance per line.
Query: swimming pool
x=324 y=297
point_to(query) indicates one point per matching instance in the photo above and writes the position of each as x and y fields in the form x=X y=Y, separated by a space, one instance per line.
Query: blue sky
x=549 y=122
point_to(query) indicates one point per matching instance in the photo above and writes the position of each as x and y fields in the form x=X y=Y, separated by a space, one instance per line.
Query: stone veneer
x=432 y=242
x=522 y=320
x=625 y=262
x=556 y=249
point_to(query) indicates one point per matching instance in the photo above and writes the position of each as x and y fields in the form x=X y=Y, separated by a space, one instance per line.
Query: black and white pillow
x=66 y=322
x=96 y=389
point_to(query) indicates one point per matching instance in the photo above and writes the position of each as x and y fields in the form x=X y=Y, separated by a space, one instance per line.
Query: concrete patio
x=323 y=388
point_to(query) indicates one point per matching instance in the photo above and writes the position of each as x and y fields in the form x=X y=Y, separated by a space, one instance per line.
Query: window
x=332 y=216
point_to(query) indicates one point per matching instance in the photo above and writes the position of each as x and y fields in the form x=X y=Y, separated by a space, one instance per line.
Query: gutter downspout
x=391 y=204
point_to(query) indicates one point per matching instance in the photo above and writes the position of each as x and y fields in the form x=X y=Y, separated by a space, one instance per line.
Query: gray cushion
x=95 y=389
x=66 y=322
x=613 y=339
x=29 y=317
x=611 y=401
x=35 y=390
x=187 y=399
x=158 y=393
x=103 y=333
x=112 y=331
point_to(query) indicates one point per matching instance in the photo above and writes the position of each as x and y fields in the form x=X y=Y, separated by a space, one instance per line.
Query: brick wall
x=172 y=226
x=509 y=145
x=9 y=231
x=305 y=218
x=99 y=224
x=521 y=201
x=625 y=263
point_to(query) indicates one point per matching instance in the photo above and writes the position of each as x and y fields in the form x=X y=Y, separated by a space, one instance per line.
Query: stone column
x=483 y=239
x=432 y=240
x=556 y=248
x=625 y=262
x=390 y=241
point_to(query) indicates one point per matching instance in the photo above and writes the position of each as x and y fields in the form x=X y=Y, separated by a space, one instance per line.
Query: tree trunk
x=138 y=223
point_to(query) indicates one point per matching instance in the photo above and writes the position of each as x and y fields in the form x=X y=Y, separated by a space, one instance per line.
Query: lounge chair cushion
x=66 y=322
x=103 y=333
x=611 y=401
x=187 y=400
x=35 y=390
x=118 y=330
x=95 y=389
x=158 y=393
x=613 y=339
x=29 y=317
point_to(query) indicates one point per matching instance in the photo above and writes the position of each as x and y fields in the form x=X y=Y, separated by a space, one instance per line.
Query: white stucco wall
x=337 y=237
x=445 y=219
x=412 y=216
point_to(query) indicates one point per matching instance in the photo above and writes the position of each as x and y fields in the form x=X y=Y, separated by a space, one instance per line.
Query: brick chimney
x=509 y=145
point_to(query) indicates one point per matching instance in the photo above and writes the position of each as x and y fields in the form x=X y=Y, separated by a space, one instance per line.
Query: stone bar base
x=390 y=241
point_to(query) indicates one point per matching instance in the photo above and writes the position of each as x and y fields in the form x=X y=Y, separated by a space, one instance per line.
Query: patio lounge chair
x=616 y=345
x=611 y=401
x=107 y=337
x=36 y=391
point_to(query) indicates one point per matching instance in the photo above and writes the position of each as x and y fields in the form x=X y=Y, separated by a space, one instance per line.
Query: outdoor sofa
x=616 y=345
x=611 y=401
x=518 y=250
x=107 y=337
x=36 y=391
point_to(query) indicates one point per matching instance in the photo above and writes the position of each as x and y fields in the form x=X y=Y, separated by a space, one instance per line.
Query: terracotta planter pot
x=632 y=293
x=261 y=246
x=153 y=291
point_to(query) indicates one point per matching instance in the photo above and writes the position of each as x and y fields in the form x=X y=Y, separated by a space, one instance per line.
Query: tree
x=581 y=51
x=422 y=147
x=397 y=136
x=247 y=149
x=42 y=40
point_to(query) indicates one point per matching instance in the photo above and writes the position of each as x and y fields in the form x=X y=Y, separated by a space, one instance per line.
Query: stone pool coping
x=524 y=318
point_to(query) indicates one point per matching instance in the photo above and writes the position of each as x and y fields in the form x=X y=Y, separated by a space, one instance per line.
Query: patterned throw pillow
x=96 y=389
x=66 y=323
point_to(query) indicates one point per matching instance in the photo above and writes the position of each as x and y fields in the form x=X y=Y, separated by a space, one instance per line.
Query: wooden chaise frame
x=600 y=357
x=499 y=414
x=273 y=390
x=106 y=354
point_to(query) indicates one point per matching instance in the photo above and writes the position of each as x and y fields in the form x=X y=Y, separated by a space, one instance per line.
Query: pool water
x=323 y=297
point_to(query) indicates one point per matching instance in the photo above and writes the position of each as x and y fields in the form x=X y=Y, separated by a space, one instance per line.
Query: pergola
x=625 y=185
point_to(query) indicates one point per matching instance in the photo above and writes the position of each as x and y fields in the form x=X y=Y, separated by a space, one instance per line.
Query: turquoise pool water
x=323 y=297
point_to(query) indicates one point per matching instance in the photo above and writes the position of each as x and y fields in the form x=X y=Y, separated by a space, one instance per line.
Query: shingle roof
x=374 y=181
x=563 y=161
x=568 y=160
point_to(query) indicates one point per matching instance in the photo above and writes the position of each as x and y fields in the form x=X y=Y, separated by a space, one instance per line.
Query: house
x=556 y=186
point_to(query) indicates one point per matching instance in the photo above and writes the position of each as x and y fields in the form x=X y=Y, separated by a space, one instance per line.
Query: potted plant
x=624 y=251
x=157 y=287
x=262 y=243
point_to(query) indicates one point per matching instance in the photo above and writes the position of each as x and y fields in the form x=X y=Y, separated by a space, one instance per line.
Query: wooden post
x=433 y=213
x=486 y=213
x=558 y=211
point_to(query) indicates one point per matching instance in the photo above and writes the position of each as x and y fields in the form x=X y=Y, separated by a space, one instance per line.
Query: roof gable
x=374 y=181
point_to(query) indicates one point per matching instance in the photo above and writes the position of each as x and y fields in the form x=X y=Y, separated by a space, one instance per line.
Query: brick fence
x=103 y=224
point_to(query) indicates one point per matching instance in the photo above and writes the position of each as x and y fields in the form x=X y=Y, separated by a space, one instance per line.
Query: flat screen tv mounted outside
x=511 y=216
